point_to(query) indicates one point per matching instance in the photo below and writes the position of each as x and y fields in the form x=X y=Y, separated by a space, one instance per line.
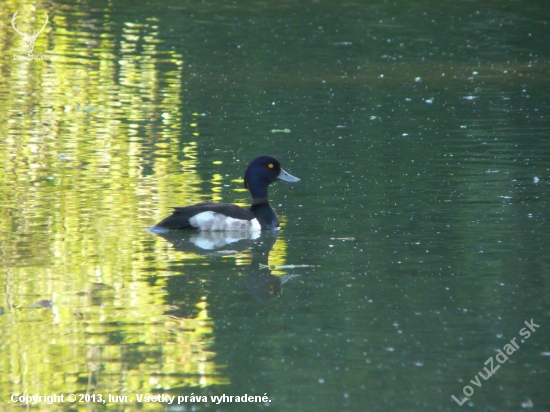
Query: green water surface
x=413 y=249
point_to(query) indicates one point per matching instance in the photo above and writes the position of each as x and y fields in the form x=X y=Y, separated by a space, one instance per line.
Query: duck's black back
x=179 y=220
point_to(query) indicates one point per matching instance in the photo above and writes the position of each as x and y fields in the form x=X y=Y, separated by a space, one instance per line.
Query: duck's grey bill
x=287 y=177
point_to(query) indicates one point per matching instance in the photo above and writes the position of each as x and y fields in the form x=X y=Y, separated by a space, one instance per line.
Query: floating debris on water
x=280 y=131
x=86 y=109
x=342 y=238
x=276 y=267
x=527 y=404
x=45 y=303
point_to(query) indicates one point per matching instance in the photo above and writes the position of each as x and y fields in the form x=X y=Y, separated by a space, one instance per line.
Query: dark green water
x=419 y=131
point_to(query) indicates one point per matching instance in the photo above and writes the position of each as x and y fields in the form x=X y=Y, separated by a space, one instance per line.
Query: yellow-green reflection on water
x=90 y=156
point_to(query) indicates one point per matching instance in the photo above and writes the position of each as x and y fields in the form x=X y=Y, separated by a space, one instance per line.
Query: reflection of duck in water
x=260 y=173
x=209 y=243
x=260 y=282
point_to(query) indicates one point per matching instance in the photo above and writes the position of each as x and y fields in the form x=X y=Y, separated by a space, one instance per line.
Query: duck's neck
x=260 y=200
x=258 y=191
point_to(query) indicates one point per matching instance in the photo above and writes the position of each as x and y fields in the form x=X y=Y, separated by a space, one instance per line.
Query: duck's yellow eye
x=270 y=165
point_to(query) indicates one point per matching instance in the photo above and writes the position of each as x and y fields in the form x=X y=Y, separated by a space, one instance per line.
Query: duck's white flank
x=212 y=222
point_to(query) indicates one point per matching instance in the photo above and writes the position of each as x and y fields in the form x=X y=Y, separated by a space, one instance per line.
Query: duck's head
x=263 y=171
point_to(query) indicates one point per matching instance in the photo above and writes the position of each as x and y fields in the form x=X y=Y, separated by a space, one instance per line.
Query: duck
x=260 y=173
